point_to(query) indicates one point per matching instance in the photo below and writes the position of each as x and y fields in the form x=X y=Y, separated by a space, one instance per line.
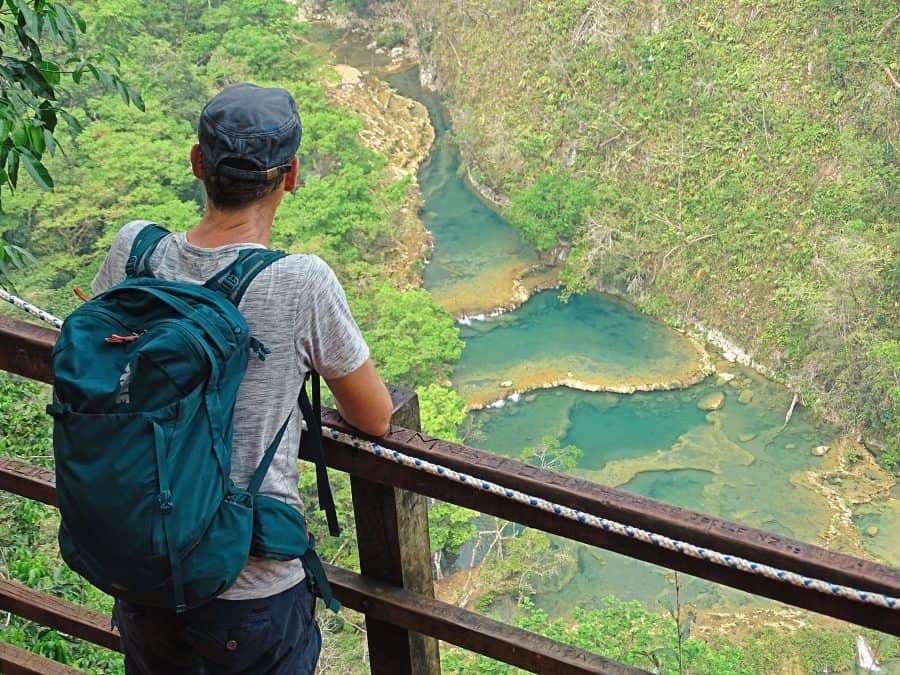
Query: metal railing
x=395 y=589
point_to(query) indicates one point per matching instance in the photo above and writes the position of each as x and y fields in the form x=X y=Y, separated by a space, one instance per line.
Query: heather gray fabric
x=298 y=309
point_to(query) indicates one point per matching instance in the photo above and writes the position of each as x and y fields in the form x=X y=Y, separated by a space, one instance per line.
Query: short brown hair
x=231 y=193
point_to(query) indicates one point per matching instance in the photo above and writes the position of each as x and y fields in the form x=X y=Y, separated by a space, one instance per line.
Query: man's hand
x=363 y=400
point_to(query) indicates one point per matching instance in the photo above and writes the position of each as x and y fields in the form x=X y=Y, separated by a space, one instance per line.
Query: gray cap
x=249 y=133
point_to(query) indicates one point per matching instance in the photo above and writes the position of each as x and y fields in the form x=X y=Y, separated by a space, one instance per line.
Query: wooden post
x=394 y=547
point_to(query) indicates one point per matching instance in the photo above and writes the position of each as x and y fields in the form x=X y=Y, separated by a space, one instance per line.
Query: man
x=246 y=158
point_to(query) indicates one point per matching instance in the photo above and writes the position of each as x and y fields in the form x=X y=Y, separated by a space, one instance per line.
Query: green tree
x=549 y=455
x=551 y=209
x=412 y=339
x=442 y=411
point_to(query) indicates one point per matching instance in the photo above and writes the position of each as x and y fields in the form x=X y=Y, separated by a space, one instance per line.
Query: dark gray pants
x=277 y=635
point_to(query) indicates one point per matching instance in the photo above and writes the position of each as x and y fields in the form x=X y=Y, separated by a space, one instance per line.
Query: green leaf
x=95 y=72
x=62 y=23
x=28 y=43
x=74 y=125
x=36 y=82
x=50 y=142
x=36 y=138
x=76 y=17
x=50 y=72
x=112 y=58
x=13 y=255
x=47 y=115
x=136 y=99
x=19 y=134
x=37 y=171
x=12 y=168
x=31 y=20
x=78 y=72
x=4 y=152
x=121 y=88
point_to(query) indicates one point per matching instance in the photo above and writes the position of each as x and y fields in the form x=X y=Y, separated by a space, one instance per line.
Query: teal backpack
x=145 y=379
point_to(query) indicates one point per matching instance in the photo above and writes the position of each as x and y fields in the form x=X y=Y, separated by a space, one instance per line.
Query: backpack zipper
x=192 y=339
x=106 y=314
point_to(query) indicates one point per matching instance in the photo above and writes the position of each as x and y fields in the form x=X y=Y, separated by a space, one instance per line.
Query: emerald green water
x=737 y=462
x=599 y=342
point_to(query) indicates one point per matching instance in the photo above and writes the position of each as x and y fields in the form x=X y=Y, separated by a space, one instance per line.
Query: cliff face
x=741 y=159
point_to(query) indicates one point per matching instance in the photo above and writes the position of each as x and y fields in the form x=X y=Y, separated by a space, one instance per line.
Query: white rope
x=31 y=309
x=662 y=541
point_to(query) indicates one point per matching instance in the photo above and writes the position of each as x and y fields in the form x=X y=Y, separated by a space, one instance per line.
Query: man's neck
x=250 y=225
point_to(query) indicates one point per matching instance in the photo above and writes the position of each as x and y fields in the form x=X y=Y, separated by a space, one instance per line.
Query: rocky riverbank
x=531 y=377
x=399 y=129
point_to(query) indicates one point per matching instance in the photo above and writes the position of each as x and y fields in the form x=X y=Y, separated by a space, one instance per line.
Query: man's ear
x=197 y=161
x=290 y=178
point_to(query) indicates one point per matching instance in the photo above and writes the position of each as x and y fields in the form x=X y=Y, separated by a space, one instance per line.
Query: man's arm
x=363 y=400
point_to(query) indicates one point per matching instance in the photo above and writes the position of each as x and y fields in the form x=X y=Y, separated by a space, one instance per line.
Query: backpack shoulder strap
x=143 y=246
x=311 y=450
x=234 y=280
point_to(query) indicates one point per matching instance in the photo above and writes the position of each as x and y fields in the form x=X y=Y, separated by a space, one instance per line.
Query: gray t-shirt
x=297 y=309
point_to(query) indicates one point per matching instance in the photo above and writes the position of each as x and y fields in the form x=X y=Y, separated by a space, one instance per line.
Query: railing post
x=394 y=547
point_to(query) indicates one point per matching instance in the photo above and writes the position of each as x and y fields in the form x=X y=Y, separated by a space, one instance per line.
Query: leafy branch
x=31 y=85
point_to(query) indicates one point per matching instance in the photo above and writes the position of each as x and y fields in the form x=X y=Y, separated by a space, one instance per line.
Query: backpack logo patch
x=124 y=396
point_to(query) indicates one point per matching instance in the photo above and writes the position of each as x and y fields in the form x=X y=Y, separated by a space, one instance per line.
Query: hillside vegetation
x=727 y=163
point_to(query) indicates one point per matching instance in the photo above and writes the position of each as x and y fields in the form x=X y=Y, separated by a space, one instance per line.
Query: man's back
x=248 y=137
x=298 y=310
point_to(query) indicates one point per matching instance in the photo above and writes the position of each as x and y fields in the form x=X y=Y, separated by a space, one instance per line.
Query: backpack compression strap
x=311 y=450
x=311 y=562
x=143 y=246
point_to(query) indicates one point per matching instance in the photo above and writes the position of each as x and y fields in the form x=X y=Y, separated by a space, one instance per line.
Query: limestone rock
x=724 y=377
x=713 y=401
x=790 y=446
x=745 y=397
x=506 y=383
x=820 y=450
x=872 y=530
x=714 y=418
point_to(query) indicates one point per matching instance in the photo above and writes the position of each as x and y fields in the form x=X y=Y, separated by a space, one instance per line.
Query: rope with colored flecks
x=31 y=309
x=684 y=548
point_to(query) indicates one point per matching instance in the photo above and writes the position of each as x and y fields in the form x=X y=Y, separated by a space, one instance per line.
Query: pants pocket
x=236 y=648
